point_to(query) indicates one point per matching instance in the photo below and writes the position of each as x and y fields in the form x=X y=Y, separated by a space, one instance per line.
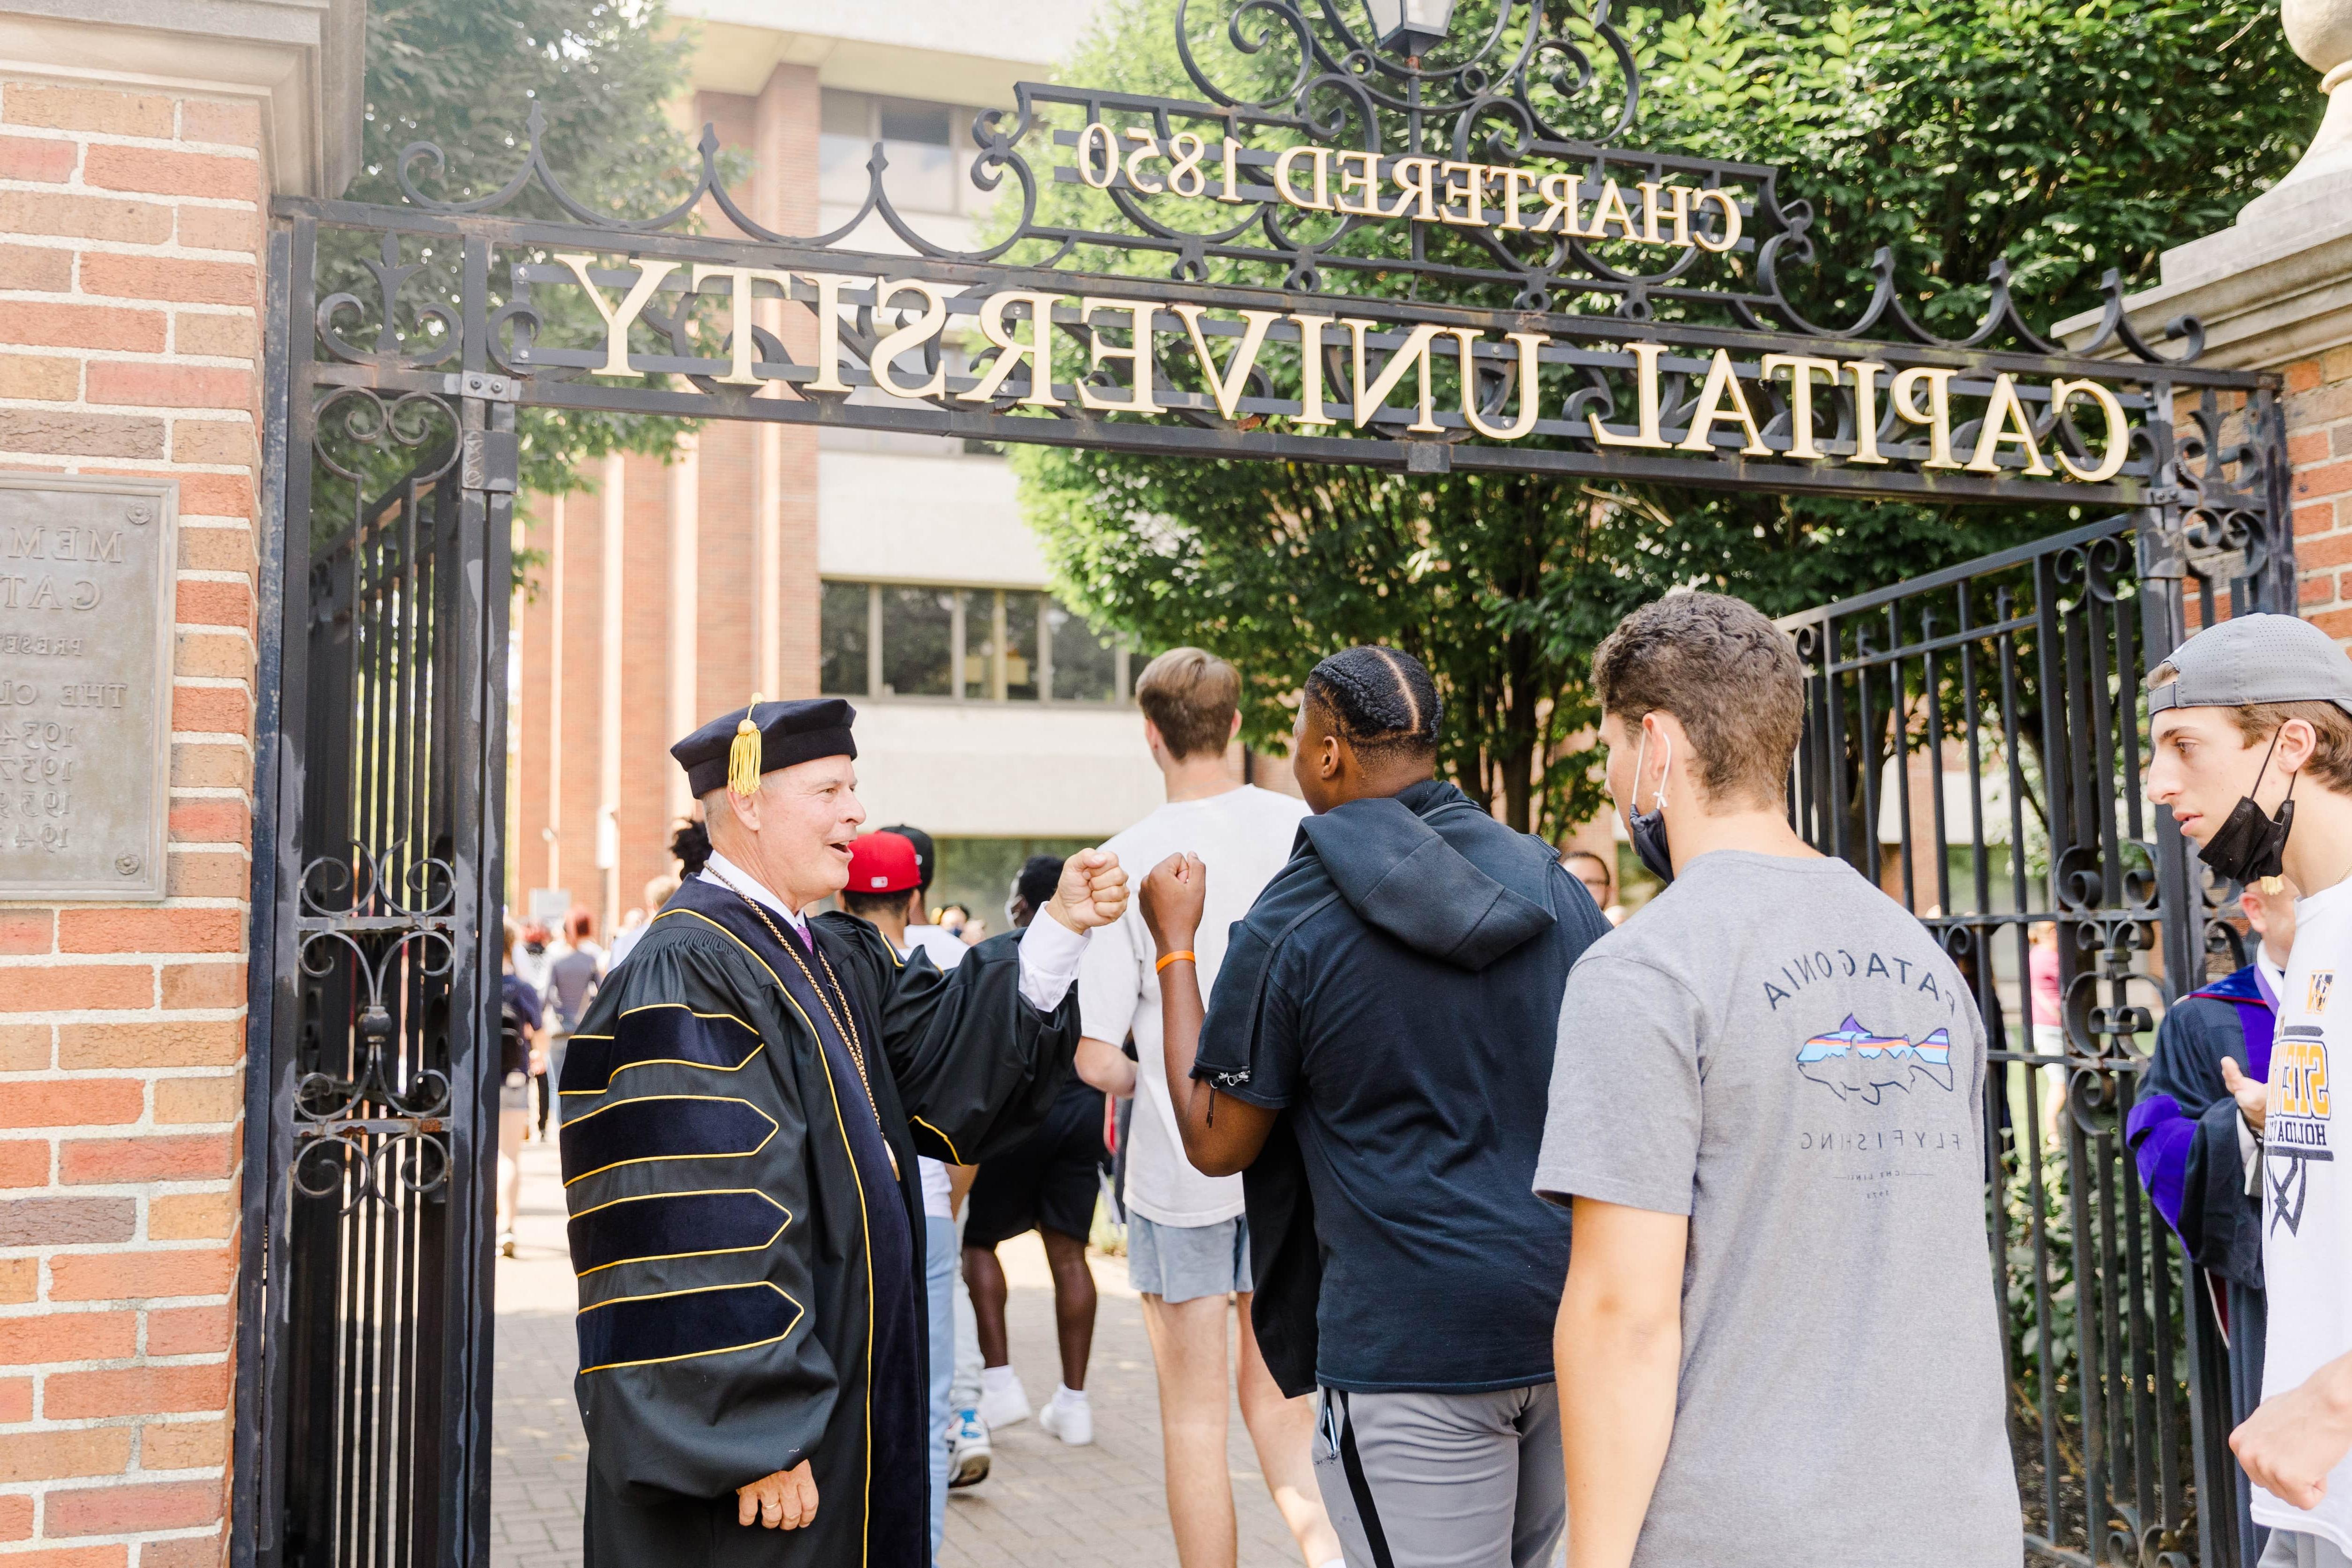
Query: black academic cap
x=789 y=732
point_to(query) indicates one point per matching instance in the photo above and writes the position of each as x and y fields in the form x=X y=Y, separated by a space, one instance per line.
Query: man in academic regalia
x=2188 y=1134
x=743 y=1105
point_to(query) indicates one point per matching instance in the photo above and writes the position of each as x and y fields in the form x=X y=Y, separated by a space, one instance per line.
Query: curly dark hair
x=1730 y=676
x=690 y=842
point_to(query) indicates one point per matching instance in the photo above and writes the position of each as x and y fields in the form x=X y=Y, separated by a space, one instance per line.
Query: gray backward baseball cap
x=2256 y=658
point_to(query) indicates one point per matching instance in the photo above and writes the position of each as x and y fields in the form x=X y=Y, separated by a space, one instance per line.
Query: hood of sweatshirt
x=1435 y=872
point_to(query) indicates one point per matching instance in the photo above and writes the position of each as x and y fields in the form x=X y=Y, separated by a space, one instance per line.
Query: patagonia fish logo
x=1851 y=1061
x=2316 y=998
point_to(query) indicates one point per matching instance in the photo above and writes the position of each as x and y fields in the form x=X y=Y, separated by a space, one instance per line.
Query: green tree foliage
x=464 y=76
x=2068 y=138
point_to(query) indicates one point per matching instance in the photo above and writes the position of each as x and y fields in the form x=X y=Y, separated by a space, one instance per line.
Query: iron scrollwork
x=375 y=929
x=1509 y=96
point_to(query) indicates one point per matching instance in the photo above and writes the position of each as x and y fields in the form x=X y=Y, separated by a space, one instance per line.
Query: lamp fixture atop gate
x=1409 y=28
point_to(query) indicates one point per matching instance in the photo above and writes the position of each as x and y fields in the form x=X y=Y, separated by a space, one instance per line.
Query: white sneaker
x=969 y=1454
x=1073 y=1421
x=1003 y=1406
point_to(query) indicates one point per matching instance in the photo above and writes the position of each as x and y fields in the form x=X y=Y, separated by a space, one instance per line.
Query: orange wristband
x=1171 y=958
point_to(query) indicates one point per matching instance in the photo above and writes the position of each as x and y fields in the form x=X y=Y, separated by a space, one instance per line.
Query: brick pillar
x=128 y=325
x=572 y=784
x=534 y=610
x=2318 y=407
x=728 y=595
x=785 y=179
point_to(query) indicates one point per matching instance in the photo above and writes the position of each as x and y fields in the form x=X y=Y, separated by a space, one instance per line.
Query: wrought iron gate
x=403 y=338
x=366 y=1364
x=1974 y=743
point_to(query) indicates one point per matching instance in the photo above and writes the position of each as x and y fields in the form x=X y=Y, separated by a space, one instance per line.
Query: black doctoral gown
x=751 y=1266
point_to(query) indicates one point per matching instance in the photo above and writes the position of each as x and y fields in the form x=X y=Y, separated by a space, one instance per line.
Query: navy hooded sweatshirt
x=1395 y=992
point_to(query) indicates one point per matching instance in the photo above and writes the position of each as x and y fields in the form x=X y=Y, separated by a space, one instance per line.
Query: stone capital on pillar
x=2321 y=32
x=298 y=61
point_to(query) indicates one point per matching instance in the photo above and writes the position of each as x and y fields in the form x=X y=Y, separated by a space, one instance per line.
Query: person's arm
x=980 y=1053
x=1629 y=1035
x=2294 y=1439
x=1221 y=1135
x=1105 y=1067
x=1617 y=1347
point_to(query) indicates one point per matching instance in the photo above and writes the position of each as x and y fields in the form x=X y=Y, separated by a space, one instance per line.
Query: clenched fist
x=1174 y=894
x=1092 y=892
x=785 y=1501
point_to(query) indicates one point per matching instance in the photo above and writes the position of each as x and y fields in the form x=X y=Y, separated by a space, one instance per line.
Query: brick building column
x=136 y=165
x=787 y=119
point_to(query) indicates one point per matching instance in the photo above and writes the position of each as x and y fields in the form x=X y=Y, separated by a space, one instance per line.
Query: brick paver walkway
x=1043 y=1503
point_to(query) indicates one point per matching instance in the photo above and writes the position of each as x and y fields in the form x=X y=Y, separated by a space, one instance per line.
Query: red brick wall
x=128 y=333
x=2318 y=407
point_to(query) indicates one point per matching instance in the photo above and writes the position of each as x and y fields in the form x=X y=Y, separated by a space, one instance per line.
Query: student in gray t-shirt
x=1779 y=1346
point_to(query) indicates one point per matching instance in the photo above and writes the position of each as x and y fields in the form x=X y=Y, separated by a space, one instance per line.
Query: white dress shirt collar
x=1050 y=951
x=727 y=874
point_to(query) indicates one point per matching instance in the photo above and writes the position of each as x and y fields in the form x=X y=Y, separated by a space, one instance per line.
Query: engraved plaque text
x=86 y=580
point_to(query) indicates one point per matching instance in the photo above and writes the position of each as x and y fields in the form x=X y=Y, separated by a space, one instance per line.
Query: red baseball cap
x=883 y=863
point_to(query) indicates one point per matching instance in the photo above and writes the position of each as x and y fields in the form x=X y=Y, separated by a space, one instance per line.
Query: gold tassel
x=2274 y=886
x=744 y=755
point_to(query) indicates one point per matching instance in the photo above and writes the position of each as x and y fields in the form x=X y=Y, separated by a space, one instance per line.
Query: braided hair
x=1382 y=701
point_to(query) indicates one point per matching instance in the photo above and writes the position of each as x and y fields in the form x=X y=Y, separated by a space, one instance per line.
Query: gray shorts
x=1443 y=1480
x=1184 y=1262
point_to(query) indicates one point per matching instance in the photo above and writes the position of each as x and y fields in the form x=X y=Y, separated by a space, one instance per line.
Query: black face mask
x=1648 y=829
x=2251 y=844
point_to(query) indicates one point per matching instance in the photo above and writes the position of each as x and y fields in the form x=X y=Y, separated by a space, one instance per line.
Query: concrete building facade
x=893 y=570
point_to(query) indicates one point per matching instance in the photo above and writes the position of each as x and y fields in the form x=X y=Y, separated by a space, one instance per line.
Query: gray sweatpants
x=1443 y=1480
x=2288 y=1548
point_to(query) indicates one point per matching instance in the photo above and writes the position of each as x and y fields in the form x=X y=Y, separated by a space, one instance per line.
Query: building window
x=846 y=639
x=928 y=146
x=918 y=641
x=972 y=645
x=1086 y=662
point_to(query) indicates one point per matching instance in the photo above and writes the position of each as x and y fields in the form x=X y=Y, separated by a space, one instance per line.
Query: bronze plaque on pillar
x=86 y=569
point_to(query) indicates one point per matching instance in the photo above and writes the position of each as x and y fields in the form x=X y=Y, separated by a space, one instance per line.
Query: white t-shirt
x=1243 y=835
x=947 y=949
x=2306 y=1193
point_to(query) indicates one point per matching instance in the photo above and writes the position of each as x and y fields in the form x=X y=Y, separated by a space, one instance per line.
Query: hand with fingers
x=1092 y=892
x=2252 y=1094
x=785 y=1501
x=1175 y=895
x=2294 y=1440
